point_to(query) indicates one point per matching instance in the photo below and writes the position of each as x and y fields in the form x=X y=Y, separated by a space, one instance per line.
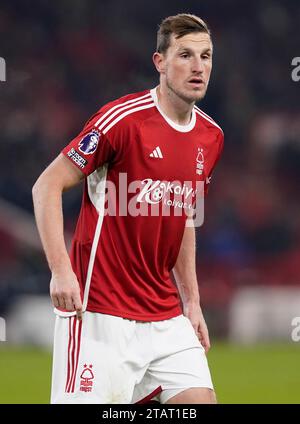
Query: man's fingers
x=206 y=346
x=205 y=342
x=66 y=294
x=58 y=302
x=62 y=303
x=55 y=301
x=69 y=304
x=78 y=306
x=79 y=314
x=203 y=337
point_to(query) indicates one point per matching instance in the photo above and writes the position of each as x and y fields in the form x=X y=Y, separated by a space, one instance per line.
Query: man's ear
x=159 y=62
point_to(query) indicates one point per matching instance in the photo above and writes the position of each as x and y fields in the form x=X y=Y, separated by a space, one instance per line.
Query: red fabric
x=135 y=254
x=148 y=399
x=73 y=353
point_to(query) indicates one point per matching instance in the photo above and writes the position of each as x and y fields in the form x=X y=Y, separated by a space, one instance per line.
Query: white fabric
x=125 y=360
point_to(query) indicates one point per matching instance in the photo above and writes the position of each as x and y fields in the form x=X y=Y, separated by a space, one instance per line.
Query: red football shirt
x=143 y=174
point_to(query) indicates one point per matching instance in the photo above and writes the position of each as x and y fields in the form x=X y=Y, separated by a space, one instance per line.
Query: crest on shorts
x=88 y=144
x=87 y=375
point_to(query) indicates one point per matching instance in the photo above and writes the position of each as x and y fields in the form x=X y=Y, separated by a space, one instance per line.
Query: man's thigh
x=195 y=395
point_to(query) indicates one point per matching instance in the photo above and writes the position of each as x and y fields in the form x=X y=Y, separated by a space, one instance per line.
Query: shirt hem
x=137 y=317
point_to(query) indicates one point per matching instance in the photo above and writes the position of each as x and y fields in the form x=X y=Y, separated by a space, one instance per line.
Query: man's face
x=187 y=64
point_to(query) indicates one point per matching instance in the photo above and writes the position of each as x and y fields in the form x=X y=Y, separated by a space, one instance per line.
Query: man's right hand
x=65 y=292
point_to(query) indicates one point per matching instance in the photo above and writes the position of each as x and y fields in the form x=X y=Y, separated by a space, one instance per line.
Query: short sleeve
x=90 y=149
x=219 y=150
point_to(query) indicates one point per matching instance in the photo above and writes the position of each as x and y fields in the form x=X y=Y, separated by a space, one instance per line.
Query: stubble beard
x=182 y=95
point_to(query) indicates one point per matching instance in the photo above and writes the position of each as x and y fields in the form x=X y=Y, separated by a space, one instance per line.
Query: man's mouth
x=197 y=82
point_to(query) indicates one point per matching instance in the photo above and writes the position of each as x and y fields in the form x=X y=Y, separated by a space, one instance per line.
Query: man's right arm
x=58 y=177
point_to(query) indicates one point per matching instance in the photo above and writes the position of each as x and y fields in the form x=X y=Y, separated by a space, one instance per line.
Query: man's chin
x=198 y=95
x=188 y=95
x=194 y=95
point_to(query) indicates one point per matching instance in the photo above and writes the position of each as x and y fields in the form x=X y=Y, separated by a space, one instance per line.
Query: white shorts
x=106 y=359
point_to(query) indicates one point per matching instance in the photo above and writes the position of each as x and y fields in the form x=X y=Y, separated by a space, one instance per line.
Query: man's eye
x=184 y=55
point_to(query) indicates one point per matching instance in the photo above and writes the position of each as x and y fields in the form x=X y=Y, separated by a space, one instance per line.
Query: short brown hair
x=179 y=25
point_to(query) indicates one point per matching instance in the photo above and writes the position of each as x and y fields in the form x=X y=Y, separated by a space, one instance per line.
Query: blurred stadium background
x=63 y=61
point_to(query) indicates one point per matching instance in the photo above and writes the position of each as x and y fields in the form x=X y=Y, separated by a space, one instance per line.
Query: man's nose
x=197 y=65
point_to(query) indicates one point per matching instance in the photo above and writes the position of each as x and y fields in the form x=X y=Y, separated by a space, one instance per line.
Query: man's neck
x=173 y=106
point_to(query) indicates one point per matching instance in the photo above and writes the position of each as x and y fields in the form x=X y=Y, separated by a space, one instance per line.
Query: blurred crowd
x=65 y=60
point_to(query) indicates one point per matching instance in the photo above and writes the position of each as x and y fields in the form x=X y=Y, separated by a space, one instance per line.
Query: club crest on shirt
x=199 y=162
x=88 y=144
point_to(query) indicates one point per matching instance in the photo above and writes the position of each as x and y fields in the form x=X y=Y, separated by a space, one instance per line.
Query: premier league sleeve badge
x=88 y=144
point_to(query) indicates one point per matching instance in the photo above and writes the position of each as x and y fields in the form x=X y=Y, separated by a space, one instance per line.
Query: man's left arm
x=186 y=280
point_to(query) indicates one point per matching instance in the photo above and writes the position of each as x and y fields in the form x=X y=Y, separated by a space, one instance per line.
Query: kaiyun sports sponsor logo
x=156 y=191
x=150 y=197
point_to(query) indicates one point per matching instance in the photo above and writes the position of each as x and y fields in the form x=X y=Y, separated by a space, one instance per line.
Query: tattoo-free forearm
x=185 y=268
x=47 y=199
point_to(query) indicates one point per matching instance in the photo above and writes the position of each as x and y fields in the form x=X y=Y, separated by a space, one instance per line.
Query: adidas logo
x=156 y=153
